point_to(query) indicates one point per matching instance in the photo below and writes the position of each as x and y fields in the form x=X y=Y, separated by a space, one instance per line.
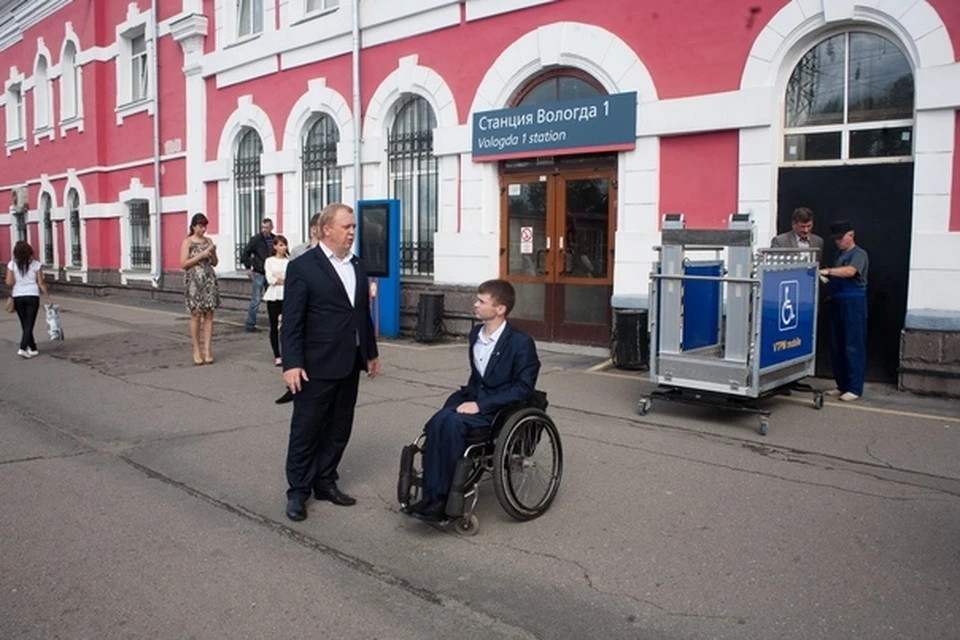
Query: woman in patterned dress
x=198 y=257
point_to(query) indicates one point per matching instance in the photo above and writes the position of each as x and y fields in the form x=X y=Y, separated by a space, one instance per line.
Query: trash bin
x=630 y=347
x=430 y=326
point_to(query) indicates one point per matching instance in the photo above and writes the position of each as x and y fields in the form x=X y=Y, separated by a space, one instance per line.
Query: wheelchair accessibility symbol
x=789 y=295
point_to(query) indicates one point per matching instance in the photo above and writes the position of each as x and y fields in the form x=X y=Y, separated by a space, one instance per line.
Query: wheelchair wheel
x=527 y=464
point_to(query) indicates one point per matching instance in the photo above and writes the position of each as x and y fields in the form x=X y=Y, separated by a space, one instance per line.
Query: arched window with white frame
x=322 y=179
x=249 y=189
x=850 y=98
x=46 y=213
x=73 y=223
x=41 y=96
x=414 y=181
x=71 y=88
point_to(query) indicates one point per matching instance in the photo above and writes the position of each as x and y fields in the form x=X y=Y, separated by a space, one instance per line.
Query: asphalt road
x=142 y=497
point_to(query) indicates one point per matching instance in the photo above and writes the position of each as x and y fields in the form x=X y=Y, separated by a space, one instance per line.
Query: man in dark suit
x=503 y=370
x=327 y=339
x=801 y=236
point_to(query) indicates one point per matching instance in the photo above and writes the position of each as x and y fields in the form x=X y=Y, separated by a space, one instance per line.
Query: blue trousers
x=259 y=283
x=446 y=442
x=848 y=342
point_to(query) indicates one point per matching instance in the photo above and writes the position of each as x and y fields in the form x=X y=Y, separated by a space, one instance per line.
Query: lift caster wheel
x=818 y=401
x=643 y=407
x=467 y=526
x=764 y=425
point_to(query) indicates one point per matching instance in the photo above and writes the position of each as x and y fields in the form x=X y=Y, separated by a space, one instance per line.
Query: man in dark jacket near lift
x=254 y=255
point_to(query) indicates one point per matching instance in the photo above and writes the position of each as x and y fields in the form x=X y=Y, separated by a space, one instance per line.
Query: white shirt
x=25 y=284
x=344 y=269
x=274 y=268
x=483 y=349
x=801 y=242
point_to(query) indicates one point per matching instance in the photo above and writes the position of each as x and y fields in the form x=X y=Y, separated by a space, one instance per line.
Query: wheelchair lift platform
x=730 y=325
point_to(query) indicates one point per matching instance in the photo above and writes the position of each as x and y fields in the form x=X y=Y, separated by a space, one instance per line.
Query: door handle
x=541 y=262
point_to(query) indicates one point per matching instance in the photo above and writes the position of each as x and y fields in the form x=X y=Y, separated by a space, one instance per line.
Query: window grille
x=20 y=222
x=47 y=206
x=414 y=181
x=248 y=181
x=139 y=234
x=322 y=183
x=76 y=252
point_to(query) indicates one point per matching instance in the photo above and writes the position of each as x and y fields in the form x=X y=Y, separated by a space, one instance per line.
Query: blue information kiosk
x=378 y=242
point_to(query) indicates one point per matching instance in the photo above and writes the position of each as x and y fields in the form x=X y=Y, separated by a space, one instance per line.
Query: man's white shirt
x=484 y=347
x=346 y=272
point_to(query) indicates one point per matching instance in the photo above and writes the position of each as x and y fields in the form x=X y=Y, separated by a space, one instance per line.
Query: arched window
x=248 y=181
x=321 y=175
x=414 y=181
x=557 y=85
x=46 y=207
x=41 y=96
x=73 y=206
x=69 y=83
x=850 y=97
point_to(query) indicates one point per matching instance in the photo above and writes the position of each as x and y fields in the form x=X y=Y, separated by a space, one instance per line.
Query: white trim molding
x=16 y=80
x=135 y=193
x=138 y=23
x=73 y=183
x=43 y=117
x=917 y=28
x=318 y=100
x=46 y=188
x=70 y=84
x=618 y=68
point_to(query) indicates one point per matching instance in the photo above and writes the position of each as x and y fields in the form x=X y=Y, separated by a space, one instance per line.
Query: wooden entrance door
x=557 y=251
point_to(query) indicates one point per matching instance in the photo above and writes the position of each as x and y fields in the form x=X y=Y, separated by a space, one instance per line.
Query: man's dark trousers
x=322 y=421
x=446 y=439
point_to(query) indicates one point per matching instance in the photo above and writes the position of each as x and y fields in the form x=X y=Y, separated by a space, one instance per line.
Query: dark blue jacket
x=510 y=377
x=320 y=327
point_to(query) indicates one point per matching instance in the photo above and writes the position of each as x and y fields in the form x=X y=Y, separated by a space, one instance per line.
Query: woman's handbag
x=9 y=306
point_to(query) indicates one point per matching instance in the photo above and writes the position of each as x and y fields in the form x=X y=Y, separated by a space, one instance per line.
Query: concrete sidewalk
x=679 y=524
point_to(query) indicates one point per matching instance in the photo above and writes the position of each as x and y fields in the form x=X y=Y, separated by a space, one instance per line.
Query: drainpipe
x=357 y=179
x=156 y=248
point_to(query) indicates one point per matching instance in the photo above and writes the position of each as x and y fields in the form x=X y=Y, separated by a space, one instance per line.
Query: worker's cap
x=839 y=229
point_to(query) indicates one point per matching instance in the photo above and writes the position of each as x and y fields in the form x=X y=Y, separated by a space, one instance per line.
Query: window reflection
x=815 y=90
x=881 y=80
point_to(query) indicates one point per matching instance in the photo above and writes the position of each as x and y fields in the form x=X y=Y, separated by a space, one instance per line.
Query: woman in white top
x=275 y=268
x=25 y=275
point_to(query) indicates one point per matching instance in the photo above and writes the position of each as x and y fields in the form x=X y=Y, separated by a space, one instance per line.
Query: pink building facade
x=121 y=119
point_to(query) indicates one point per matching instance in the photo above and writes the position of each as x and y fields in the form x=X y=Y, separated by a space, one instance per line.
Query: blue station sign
x=600 y=123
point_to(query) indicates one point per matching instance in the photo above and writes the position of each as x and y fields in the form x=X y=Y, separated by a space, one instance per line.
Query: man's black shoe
x=334 y=495
x=434 y=512
x=287 y=397
x=295 y=510
x=252 y=329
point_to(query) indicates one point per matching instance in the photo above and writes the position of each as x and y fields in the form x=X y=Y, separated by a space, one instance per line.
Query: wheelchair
x=522 y=453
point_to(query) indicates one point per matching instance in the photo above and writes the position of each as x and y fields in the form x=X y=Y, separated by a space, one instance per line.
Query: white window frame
x=69 y=234
x=46 y=197
x=139 y=71
x=238 y=36
x=71 y=87
x=844 y=128
x=128 y=102
x=16 y=111
x=42 y=101
x=299 y=10
x=136 y=192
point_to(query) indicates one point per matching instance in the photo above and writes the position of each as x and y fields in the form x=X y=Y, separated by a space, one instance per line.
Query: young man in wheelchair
x=503 y=370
